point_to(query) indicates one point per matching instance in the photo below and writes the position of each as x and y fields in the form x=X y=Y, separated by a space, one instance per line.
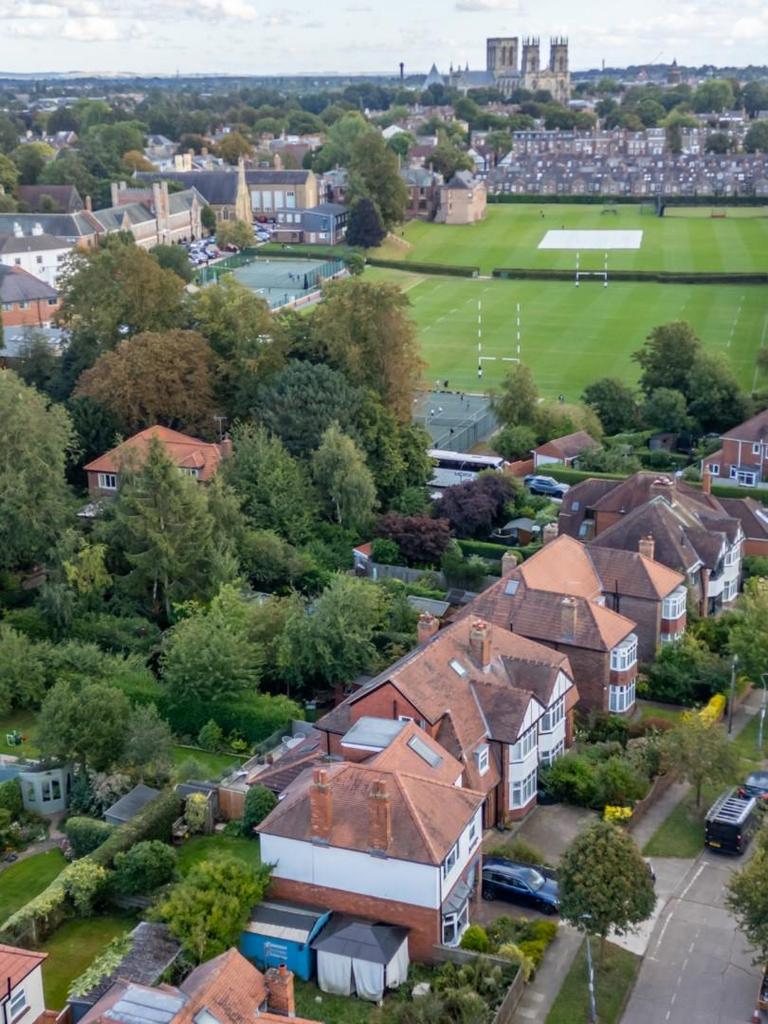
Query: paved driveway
x=697 y=967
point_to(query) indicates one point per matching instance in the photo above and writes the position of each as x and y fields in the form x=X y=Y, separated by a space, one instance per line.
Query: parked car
x=520 y=883
x=755 y=785
x=546 y=486
x=731 y=822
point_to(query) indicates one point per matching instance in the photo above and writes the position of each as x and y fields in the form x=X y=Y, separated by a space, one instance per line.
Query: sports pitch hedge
x=510 y=235
x=570 y=336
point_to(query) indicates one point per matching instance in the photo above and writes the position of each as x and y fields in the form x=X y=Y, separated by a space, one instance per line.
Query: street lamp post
x=761 y=720
x=590 y=974
x=734 y=664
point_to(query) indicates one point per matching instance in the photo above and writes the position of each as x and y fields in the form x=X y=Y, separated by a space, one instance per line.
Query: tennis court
x=280 y=281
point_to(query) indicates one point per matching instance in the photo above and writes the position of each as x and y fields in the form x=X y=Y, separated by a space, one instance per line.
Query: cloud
x=38 y=11
x=99 y=30
x=488 y=5
x=239 y=10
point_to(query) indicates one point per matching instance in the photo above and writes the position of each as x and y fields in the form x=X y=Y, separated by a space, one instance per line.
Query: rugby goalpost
x=493 y=359
x=591 y=273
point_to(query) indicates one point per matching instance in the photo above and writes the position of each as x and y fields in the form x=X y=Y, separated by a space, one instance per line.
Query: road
x=696 y=967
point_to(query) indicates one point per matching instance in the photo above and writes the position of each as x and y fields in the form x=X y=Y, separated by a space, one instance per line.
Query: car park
x=519 y=883
x=546 y=486
x=731 y=822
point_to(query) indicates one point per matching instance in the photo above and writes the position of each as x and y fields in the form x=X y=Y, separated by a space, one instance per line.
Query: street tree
x=749 y=629
x=38 y=440
x=234 y=232
x=604 y=882
x=747 y=898
x=155 y=377
x=699 y=751
x=343 y=479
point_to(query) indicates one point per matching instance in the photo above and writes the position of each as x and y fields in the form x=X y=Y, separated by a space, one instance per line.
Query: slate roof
x=29 y=243
x=153 y=950
x=60 y=225
x=128 y=806
x=362 y=940
x=66 y=197
x=219 y=188
x=16 y=285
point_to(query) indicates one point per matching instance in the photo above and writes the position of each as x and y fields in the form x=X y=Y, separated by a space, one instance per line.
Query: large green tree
x=699 y=751
x=747 y=898
x=715 y=398
x=340 y=140
x=515 y=401
x=343 y=479
x=374 y=172
x=749 y=629
x=614 y=402
x=604 y=882
x=666 y=409
x=34 y=498
x=84 y=722
x=365 y=227
x=667 y=356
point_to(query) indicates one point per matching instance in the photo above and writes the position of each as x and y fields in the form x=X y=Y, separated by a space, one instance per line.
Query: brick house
x=195 y=458
x=462 y=200
x=743 y=458
x=393 y=839
x=753 y=516
x=25 y=301
x=498 y=703
x=225 y=990
x=23 y=995
x=563 y=450
x=691 y=530
x=423 y=186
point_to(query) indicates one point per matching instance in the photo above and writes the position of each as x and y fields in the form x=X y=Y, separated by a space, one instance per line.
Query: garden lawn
x=22 y=881
x=510 y=235
x=614 y=979
x=570 y=336
x=746 y=743
x=72 y=948
x=24 y=722
x=682 y=833
x=669 y=712
x=212 y=766
x=210 y=847
x=316 y=1005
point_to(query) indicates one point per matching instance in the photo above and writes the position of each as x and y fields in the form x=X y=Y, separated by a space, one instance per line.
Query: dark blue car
x=519 y=883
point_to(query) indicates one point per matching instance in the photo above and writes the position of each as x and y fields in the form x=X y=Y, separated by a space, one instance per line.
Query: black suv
x=506 y=880
x=546 y=486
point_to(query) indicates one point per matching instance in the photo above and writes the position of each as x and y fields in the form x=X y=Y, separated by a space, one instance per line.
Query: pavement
x=540 y=994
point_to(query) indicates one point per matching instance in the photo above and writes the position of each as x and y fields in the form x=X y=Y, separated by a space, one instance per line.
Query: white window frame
x=523 y=791
x=548 y=757
x=192 y=471
x=474 y=839
x=674 y=605
x=17 y=1005
x=455 y=924
x=483 y=759
x=730 y=589
x=520 y=750
x=621 y=698
x=108 y=481
x=756 y=448
x=553 y=716
x=714 y=469
x=451 y=859
x=624 y=655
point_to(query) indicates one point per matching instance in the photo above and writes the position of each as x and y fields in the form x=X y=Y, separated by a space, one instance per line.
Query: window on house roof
x=511 y=587
x=425 y=752
x=457 y=667
x=483 y=759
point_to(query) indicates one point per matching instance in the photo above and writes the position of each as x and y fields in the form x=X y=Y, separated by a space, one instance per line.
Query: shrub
x=519 y=850
x=102 y=966
x=155 y=821
x=515 y=955
x=84 y=882
x=476 y=939
x=189 y=769
x=714 y=710
x=544 y=931
x=506 y=929
x=259 y=801
x=386 y=552
x=144 y=867
x=571 y=779
x=10 y=797
x=686 y=673
x=86 y=834
x=211 y=736
x=653 y=724
x=617 y=815
x=195 y=812
x=255 y=717
x=600 y=726
x=619 y=782
x=534 y=949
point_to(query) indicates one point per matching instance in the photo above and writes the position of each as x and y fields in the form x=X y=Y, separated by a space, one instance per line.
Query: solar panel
x=426 y=753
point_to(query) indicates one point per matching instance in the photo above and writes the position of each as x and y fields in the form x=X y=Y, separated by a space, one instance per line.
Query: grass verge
x=211 y=847
x=682 y=833
x=72 y=948
x=614 y=979
x=22 y=881
x=22 y=721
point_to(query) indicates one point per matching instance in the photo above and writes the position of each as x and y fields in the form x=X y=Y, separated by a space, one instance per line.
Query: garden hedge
x=155 y=821
x=647 y=276
x=253 y=718
x=494 y=552
x=412 y=267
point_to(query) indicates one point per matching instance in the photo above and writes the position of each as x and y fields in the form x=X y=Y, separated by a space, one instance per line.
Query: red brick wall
x=384 y=702
x=647 y=616
x=756 y=547
x=35 y=315
x=425 y=924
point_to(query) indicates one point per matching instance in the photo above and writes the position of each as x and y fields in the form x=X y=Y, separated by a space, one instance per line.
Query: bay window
x=674 y=605
x=621 y=698
x=454 y=925
x=520 y=750
x=624 y=655
x=553 y=716
x=549 y=756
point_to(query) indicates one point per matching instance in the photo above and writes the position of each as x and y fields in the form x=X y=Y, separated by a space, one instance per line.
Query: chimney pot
x=427 y=627
x=647 y=546
x=480 y=643
x=508 y=563
x=550 y=532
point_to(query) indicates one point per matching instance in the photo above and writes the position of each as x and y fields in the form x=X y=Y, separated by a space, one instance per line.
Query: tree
x=343 y=479
x=195 y=812
x=515 y=443
x=9 y=134
x=206 y=912
x=86 y=723
x=447 y=159
x=667 y=356
x=666 y=409
x=144 y=868
x=84 y=882
x=154 y=378
x=401 y=143
x=234 y=232
x=341 y=137
x=367 y=334
x=374 y=172
x=96 y=429
x=37 y=363
x=31 y=158
x=604 y=882
x=747 y=898
x=614 y=402
x=749 y=629
x=116 y=291
x=686 y=672
x=169 y=547
x=756 y=138
x=364 y=227
x=69 y=168
x=699 y=751
x=421 y=540
x=148 y=742
x=9 y=173
x=173 y=257
x=475 y=507
x=233 y=146
x=208 y=219
x=302 y=400
x=396 y=452
x=713 y=96
x=23 y=670
x=516 y=401
x=273 y=487
x=718 y=142
x=715 y=399
x=259 y=801
x=34 y=497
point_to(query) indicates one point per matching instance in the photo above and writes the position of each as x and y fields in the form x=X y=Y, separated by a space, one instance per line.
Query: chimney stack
x=280 y=995
x=549 y=532
x=427 y=627
x=89 y=204
x=379 y=817
x=480 y=643
x=647 y=546
x=706 y=481
x=508 y=563
x=662 y=486
x=320 y=805
x=568 y=615
x=225 y=447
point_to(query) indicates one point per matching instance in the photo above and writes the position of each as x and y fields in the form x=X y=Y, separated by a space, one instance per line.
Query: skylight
x=511 y=587
x=457 y=667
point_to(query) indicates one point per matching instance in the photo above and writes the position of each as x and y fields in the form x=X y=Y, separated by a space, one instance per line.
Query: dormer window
x=483 y=759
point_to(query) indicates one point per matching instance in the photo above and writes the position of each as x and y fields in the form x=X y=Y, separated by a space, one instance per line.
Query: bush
x=476 y=939
x=144 y=867
x=653 y=724
x=618 y=782
x=155 y=821
x=84 y=883
x=519 y=850
x=494 y=552
x=714 y=710
x=386 y=552
x=255 y=717
x=534 y=949
x=259 y=801
x=195 y=812
x=544 y=931
x=211 y=736
x=600 y=726
x=86 y=834
x=412 y=267
x=506 y=929
x=572 y=779
x=686 y=673
x=515 y=955
x=10 y=797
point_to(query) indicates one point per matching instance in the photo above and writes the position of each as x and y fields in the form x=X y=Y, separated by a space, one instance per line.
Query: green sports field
x=572 y=336
x=687 y=240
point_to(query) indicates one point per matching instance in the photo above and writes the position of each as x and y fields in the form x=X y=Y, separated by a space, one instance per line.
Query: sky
x=355 y=36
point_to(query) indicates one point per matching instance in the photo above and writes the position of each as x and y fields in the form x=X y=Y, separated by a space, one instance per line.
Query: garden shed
x=363 y=958
x=282 y=933
x=128 y=806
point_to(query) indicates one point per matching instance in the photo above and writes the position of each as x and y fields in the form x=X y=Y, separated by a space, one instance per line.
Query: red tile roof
x=16 y=964
x=568 y=446
x=184 y=451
